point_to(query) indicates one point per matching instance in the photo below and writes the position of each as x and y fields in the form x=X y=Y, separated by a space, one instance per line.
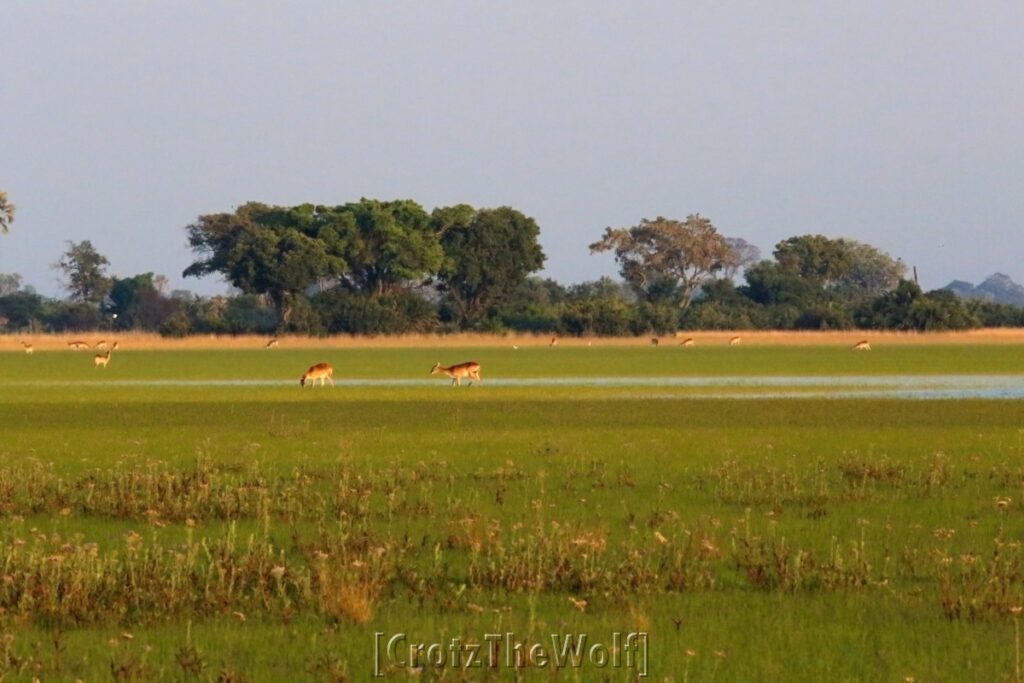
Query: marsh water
x=922 y=387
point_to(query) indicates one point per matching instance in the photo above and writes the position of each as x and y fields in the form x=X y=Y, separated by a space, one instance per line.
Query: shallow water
x=922 y=387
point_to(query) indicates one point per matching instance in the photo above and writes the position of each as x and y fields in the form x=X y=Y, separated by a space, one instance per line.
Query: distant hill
x=998 y=287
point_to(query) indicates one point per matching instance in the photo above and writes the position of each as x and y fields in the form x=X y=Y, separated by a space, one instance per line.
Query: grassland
x=192 y=514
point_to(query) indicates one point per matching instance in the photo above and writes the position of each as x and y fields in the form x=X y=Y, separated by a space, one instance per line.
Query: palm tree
x=6 y=213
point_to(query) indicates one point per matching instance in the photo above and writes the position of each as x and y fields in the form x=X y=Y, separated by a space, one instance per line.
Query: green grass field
x=196 y=515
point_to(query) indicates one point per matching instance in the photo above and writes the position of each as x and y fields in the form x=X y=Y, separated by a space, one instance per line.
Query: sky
x=898 y=124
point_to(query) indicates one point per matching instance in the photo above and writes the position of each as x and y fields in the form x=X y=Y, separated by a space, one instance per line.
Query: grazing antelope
x=101 y=344
x=116 y=346
x=457 y=372
x=735 y=340
x=554 y=342
x=101 y=359
x=320 y=371
x=687 y=342
x=862 y=345
x=272 y=344
x=76 y=345
x=654 y=341
x=29 y=349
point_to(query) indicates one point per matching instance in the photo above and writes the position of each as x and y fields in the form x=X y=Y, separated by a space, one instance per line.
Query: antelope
x=457 y=372
x=116 y=346
x=101 y=344
x=554 y=342
x=654 y=341
x=76 y=345
x=735 y=340
x=687 y=342
x=29 y=349
x=101 y=359
x=272 y=344
x=320 y=371
x=862 y=345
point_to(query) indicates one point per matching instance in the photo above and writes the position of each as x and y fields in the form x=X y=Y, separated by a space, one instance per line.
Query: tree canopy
x=85 y=272
x=487 y=254
x=660 y=258
x=7 y=211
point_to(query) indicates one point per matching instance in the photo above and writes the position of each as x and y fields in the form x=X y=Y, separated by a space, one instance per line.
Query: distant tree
x=21 y=309
x=9 y=283
x=487 y=254
x=138 y=304
x=770 y=284
x=7 y=211
x=665 y=258
x=847 y=269
x=741 y=255
x=387 y=244
x=274 y=251
x=85 y=273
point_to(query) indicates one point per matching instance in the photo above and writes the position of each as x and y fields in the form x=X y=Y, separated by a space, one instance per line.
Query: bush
x=343 y=311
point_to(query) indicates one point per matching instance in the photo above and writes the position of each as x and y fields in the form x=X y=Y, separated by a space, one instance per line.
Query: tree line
x=388 y=267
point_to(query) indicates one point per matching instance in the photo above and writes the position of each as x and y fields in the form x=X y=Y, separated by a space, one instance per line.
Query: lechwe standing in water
x=321 y=371
x=457 y=372
x=101 y=359
x=862 y=345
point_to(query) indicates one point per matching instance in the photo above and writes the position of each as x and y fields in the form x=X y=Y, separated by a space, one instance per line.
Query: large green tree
x=388 y=244
x=274 y=251
x=848 y=269
x=85 y=272
x=488 y=253
x=661 y=258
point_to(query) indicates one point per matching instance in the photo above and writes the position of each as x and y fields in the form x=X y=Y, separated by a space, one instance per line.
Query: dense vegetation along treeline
x=386 y=267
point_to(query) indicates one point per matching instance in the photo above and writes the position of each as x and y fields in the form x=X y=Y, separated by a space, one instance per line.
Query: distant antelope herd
x=324 y=372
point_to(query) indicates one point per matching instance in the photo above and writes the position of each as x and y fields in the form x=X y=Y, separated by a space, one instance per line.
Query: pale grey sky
x=895 y=123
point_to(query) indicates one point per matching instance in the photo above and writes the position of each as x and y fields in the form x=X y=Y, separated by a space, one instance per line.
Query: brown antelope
x=654 y=341
x=862 y=345
x=321 y=371
x=29 y=349
x=272 y=344
x=554 y=342
x=457 y=372
x=735 y=340
x=100 y=360
x=76 y=345
x=687 y=342
x=101 y=344
x=116 y=346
